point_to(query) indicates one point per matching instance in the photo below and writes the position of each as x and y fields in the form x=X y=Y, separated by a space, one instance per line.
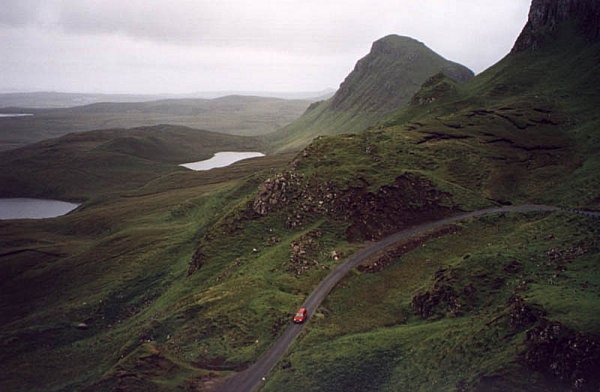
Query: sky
x=186 y=46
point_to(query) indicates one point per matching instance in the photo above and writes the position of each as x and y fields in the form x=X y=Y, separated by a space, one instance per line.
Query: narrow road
x=251 y=378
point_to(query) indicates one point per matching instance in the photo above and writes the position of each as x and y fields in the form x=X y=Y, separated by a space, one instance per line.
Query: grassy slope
x=77 y=166
x=237 y=115
x=119 y=265
x=541 y=107
x=367 y=337
x=525 y=130
x=319 y=120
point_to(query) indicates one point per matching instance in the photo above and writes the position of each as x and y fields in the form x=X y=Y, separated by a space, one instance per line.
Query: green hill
x=84 y=296
x=88 y=165
x=381 y=82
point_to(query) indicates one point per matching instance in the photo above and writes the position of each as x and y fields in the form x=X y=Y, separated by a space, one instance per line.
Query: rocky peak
x=395 y=46
x=546 y=16
x=390 y=74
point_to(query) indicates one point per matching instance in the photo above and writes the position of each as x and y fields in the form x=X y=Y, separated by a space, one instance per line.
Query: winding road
x=253 y=377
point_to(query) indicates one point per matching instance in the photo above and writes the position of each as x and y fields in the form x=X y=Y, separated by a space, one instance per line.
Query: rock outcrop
x=304 y=253
x=547 y=16
x=523 y=314
x=370 y=215
x=277 y=191
x=570 y=356
x=444 y=297
x=436 y=87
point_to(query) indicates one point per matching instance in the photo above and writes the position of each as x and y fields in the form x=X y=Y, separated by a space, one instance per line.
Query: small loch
x=221 y=159
x=5 y=115
x=23 y=208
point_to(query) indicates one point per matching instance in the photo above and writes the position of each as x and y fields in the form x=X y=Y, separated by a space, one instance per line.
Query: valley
x=441 y=228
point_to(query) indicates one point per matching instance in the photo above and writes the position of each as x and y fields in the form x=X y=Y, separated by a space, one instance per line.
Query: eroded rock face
x=409 y=200
x=304 y=252
x=197 y=261
x=523 y=314
x=371 y=214
x=545 y=16
x=443 y=297
x=570 y=356
x=277 y=191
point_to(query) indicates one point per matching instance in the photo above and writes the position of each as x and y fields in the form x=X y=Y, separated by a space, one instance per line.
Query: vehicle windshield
x=299 y=314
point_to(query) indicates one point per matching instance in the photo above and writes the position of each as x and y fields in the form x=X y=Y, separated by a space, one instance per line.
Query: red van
x=301 y=316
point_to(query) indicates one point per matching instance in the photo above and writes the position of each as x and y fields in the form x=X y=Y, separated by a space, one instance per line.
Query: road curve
x=252 y=378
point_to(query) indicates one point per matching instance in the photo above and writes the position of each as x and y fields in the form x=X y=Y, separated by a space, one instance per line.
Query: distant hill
x=81 y=165
x=307 y=95
x=237 y=115
x=53 y=100
x=381 y=82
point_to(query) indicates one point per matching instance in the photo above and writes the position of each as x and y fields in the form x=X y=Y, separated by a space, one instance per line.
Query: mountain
x=304 y=95
x=382 y=81
x=390 y=74
x=238 y=115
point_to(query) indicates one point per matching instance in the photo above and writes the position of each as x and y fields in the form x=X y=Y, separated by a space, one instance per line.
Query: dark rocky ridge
x=546 y=16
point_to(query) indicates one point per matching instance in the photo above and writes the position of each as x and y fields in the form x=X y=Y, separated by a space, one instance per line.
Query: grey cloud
x=284 y=25
x=187 y=45
x=20 y=12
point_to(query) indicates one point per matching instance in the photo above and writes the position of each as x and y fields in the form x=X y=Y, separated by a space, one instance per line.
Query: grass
x=370 y=339
x=77 y=166
x=523 y=131
x=119 y=265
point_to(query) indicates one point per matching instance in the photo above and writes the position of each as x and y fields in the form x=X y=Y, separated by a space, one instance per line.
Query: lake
x=14 y=115
x=221 y=159
x=21 y=208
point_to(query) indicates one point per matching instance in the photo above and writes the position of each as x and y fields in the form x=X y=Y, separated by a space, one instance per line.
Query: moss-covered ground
x=368 y=337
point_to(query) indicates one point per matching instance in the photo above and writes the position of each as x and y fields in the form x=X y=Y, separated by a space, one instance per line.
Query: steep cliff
x=547 y=16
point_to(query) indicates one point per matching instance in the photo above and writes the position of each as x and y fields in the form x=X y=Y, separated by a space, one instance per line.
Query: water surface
x=21 y=208
x=221 y=159
x=15 y=114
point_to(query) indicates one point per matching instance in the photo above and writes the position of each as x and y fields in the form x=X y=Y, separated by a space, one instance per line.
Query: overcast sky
x=181 y=46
